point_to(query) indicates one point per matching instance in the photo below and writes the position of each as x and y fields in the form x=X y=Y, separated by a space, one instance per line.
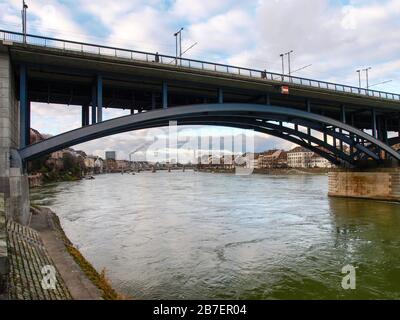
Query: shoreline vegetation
x=99 y=279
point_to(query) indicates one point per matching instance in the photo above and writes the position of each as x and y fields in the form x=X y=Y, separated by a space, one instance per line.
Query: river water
x=191 y=235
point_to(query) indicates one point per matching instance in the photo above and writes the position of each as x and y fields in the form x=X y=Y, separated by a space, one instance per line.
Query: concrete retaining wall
x=381 y=185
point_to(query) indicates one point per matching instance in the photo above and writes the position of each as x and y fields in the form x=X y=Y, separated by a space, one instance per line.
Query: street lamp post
x=23 y=14
x=282 y=55
x=359 y=78
x=179 y=32
x=283 y=63
x=366 y=75
x=288 y=54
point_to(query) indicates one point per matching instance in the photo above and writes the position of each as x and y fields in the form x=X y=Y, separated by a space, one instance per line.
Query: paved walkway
x=28 y=257
x=80 y=287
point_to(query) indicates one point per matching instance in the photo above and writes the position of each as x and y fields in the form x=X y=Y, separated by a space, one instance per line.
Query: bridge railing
x=68 y=45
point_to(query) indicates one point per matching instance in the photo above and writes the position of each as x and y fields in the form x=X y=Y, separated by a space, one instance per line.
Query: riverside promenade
x=28 y=253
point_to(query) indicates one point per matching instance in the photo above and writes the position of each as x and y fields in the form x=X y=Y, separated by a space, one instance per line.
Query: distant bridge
x=344 y=124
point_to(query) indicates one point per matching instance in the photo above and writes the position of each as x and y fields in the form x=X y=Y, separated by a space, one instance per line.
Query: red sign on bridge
x=285 y=89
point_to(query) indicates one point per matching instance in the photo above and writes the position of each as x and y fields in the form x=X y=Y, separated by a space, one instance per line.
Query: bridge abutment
x=382 y=184
x=13 y=180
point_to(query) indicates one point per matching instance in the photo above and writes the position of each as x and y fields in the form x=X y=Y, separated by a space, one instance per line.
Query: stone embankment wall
x=379 y=185
x=13 y=182
x=4 y=262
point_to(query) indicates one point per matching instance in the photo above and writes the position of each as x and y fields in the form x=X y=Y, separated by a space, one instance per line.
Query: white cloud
x=336 y=40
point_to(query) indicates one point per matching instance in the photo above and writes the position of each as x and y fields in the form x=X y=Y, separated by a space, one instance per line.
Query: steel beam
x=94 y=104
x=220 y=96
x=268 y=99
x=343 y=114
x=24 y=108
x=308 y=104
x=99 y=100
x=153 y=101
x=162 y=117
x=343 y=119
x=373 y=119
x=165 y=94
x=28 y=121
x=85 y=115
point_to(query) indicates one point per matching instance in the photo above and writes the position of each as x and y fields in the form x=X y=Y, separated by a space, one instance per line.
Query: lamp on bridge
x=366 y=75
x=282 y=55
x=23 y=14
x=359 y=78
x=179 y=32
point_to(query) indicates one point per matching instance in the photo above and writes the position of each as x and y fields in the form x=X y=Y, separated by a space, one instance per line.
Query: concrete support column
x=23 y=102
x=99 y=86
x=220 y=96
x=165 y=95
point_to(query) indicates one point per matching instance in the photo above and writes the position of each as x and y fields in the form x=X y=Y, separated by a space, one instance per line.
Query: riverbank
x=276 y=171
x=81 y=278
x=39 y=179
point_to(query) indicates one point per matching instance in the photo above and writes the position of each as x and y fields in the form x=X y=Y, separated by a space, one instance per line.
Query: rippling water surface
x=190 y=235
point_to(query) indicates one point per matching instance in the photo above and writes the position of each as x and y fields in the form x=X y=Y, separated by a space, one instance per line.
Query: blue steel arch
x=262 y=118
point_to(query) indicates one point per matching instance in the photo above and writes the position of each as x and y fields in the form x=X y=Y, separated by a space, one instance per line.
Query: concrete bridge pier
x=13 y=128
x=376 y=184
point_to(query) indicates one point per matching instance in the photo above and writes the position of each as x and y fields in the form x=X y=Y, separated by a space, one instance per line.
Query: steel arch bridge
x=336 y=141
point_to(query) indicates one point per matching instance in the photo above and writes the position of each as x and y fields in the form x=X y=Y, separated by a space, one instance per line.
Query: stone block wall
x=4 y=259
x=13 y=182
x=379 y=185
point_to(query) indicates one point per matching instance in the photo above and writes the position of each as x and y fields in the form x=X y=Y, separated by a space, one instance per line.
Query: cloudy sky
x=336 y=36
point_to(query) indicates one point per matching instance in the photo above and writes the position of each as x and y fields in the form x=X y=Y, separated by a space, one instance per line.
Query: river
x=192 y=235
